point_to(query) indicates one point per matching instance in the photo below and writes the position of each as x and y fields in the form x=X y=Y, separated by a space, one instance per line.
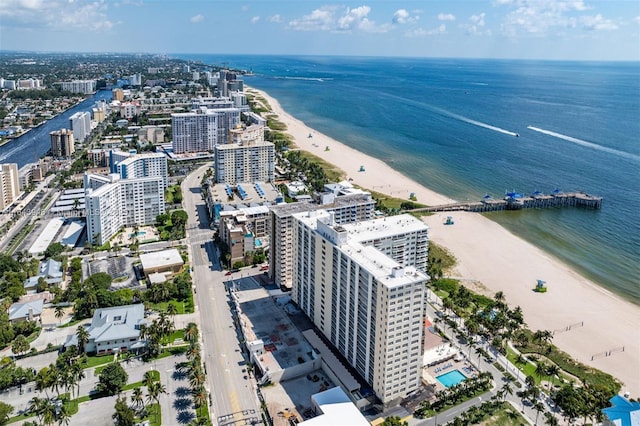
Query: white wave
x=480 y=84
x=585 y=143
x=9 y=153
x=319 y=79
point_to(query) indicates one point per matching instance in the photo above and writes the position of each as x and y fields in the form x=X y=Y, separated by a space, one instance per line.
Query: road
x=233 y=397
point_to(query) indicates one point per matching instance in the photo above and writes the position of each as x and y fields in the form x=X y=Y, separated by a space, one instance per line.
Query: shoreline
x=491 y=255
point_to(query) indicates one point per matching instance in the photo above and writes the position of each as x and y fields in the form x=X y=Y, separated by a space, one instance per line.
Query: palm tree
x=539 y=408
x=36 y=406
x=553 y=371
x=83 y=338
x=63 y=416
x=542 y=336
x=541 y=370
x=172 y=310
x=550 y=419
x=193 y=351
x=191 y=332
x=506 y=390
x=154 y=391
x=196 y=378
x=59 y=312
x=137 y=398
x=200 y=398
x=148 y=378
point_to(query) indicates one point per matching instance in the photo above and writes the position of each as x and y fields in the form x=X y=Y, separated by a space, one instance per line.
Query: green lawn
x=162 y=306
x=506 y=416
x=95 y=360
x=528 y=369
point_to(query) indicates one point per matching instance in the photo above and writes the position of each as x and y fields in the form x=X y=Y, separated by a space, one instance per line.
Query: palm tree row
x=194 y=369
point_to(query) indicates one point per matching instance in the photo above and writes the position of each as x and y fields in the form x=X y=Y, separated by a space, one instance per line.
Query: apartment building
x=246 y=161
x=9 y=185
x=112 y=202
x=131 y=165
x=203 y=129
x=62 y=143
x=369 y=304
x=346 y=209
x=80 y=124
x=244 y=230
x=80 y=86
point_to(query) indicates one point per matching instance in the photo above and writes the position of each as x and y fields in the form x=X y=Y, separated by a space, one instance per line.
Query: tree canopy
x=112 y=379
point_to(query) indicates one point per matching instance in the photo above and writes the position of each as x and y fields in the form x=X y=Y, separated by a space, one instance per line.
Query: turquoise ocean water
x=450 y=125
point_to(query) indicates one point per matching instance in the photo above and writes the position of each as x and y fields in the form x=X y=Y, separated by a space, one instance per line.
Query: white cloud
x=597 y=23
x=196 y=19
x=319 y=20
x=402 y=16
x=337 y=19
x=544 y=17
x=275 y=18
x=476 y=25
x=57 y=14
x=421 y=32
x=255 y=19
x=446 y=17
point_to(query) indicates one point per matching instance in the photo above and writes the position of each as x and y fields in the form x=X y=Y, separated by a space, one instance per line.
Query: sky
x=515 y=29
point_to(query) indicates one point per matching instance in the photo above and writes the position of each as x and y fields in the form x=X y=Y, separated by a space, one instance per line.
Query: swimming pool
x=451 y=378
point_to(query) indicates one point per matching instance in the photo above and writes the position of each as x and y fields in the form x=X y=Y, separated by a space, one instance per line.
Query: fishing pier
x=517 y=201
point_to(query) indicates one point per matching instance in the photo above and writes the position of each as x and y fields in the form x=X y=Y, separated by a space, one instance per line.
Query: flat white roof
x=70 y=237
x=46 y=237
x=384 y=227
x=161 y=258
x=337 y=410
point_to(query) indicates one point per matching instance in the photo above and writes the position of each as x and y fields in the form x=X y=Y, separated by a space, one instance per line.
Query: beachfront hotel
x=346 y=208
x=9 y=185
x=247 y=159
x=363 y=286
x=201 y=130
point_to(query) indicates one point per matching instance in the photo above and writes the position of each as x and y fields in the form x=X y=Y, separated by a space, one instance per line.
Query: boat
x=517 y=135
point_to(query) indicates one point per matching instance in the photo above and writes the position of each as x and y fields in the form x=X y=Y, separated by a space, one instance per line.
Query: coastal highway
x=233 y=398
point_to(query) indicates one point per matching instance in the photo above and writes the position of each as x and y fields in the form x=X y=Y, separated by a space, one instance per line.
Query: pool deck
x=430 y=373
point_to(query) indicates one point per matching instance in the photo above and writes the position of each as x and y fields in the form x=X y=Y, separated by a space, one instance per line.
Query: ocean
x=451 y=125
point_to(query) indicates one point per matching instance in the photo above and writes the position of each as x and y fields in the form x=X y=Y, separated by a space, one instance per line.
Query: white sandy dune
x=487 y=253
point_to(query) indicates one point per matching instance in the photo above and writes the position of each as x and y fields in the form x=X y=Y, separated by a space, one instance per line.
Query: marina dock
x=516 y=201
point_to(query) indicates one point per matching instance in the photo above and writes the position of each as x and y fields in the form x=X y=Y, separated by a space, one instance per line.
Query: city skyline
x=512 y=29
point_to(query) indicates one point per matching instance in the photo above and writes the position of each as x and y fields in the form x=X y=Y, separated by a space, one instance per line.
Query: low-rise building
x=114 y=329
x=167 y=262
x=26 y=311
x=333 y=407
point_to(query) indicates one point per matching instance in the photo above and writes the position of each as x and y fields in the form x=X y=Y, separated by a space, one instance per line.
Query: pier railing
x=539 y=201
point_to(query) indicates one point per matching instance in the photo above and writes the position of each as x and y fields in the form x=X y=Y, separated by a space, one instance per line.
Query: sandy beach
x=588 y=321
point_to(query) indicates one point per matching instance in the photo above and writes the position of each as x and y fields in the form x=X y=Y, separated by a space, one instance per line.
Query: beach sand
x=501 y=261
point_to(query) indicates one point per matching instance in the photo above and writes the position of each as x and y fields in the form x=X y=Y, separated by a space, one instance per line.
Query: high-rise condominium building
x=248 y=159
x=368 y=302
x=80 y=86
x=203 y=129
x=130 y=165
x=62 y=143
x=346 y=209
x=80 y=124
x=9 y=185
x=112 y=203
x=133 y=194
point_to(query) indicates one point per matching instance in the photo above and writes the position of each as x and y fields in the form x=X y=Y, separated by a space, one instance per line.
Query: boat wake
x=10 y=152
x=477 y=123
x=585 y=143
x=318 y=79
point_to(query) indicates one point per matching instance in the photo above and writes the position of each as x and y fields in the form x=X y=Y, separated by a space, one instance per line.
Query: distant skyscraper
x=360 y=286
x=62 y=143
x=80 y=86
